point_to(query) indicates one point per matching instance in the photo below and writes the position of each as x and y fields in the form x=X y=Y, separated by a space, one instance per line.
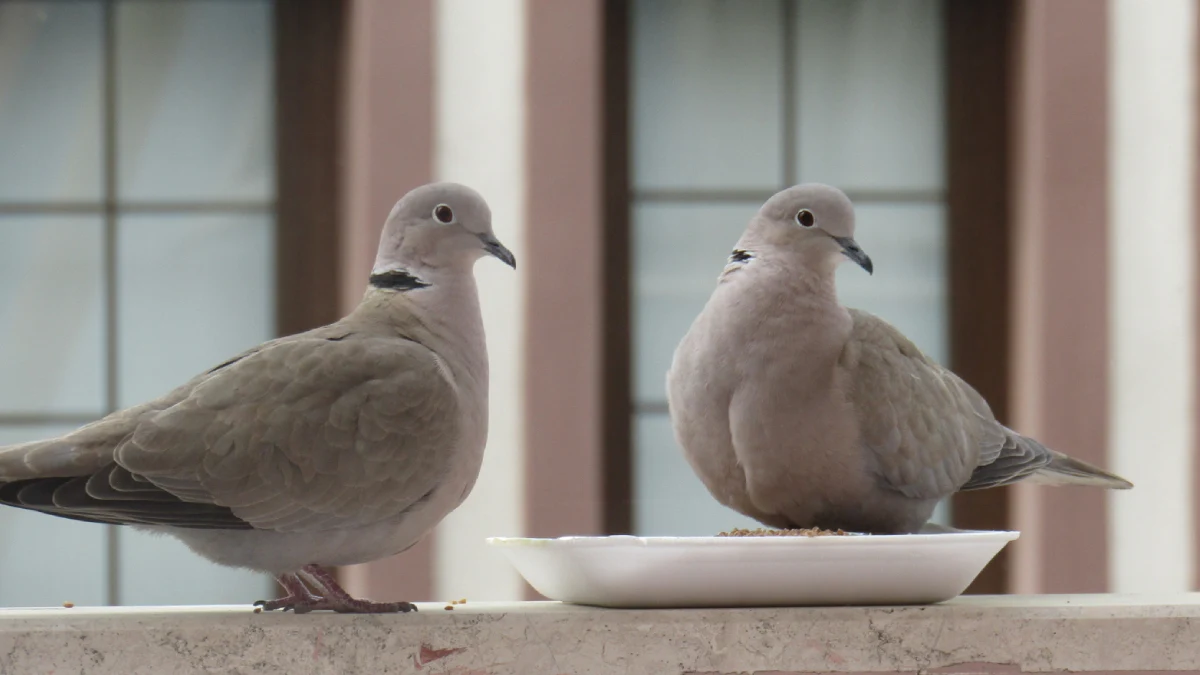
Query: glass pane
x=869 y=94
x=46 y=561
x=193 y=290
x=943 y=514
x=158 y=570
x=678 y=252
x=194 y=92
x=51 y=314
x=907 y=244
x=50 y=101
x=669 y=500
x=706 y=108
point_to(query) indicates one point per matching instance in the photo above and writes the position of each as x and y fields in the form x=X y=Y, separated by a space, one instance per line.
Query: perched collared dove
x=340 y=445
x=799 y=412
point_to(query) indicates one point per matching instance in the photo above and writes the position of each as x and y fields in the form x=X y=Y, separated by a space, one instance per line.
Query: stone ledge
x=1101 y=633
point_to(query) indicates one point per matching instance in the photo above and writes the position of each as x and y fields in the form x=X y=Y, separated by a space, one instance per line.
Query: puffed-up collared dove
x=341 y=445
x=799 y=412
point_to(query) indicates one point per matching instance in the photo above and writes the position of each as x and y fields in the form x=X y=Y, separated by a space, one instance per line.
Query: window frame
x=978 y=53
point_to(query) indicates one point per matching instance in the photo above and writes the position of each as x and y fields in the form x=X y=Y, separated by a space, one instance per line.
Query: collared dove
x=340 y=445
x=799 y=412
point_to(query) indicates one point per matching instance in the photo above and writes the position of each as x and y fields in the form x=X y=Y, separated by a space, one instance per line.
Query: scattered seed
x=258 y=610
x=68 y=605
x=449 y=606
x=463 y=601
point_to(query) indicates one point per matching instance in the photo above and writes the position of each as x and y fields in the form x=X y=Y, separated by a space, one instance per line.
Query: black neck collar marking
x=740 y=256
x=397 y=280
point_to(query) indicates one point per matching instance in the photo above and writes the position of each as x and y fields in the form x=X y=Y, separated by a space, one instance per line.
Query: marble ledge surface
x=1008 y=634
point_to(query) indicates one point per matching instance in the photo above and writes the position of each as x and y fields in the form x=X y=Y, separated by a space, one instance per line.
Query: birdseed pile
x=763 y=532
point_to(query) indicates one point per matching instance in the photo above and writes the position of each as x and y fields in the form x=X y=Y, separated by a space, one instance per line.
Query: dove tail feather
x=12 y=461
x=1021 y=458
x=1064 y=470
x=115 y=496
x=38 y=458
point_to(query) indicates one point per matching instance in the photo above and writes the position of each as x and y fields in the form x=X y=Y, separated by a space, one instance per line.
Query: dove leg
x=297 y=595
x=338 y=600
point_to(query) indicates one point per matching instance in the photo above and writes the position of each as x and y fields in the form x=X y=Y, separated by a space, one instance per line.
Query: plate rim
x=625 y=540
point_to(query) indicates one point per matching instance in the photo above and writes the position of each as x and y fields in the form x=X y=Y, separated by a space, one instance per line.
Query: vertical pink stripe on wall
x=388 y=126
x=1061 y=341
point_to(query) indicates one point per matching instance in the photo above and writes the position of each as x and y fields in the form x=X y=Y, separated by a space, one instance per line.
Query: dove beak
x=853 y=251
x=493 y=246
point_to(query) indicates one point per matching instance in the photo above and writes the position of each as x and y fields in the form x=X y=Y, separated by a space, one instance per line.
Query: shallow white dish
x=626 y=571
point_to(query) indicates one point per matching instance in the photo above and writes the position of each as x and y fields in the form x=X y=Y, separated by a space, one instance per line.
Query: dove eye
x=805 y=218
x=443 y=214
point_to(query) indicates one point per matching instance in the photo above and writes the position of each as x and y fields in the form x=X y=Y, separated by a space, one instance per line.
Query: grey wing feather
x=1022 y=458
x=923 y=427
x=1006 y=457
x=1012 y=459
x=300 y=433
x=930 y=434
x=352 y=433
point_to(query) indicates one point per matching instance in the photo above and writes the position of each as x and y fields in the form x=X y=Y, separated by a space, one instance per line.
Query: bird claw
x=284 y=604
x=314 y=603
x=300 y=601
x=366 y=607
x=357 y=607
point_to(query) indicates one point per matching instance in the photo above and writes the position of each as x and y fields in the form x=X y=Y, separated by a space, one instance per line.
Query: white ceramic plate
x=625 y=571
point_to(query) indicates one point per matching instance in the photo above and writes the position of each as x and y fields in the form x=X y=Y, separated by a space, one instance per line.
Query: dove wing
x=926 y=430
x=304 y=434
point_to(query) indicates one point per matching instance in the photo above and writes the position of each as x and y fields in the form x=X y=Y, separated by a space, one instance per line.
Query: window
x=137 y=229
x=733 y=101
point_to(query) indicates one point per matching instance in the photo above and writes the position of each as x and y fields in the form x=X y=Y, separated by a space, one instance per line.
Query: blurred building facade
x=137 y=248
x=219 y=171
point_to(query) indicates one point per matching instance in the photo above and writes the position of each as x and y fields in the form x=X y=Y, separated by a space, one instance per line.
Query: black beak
x=493 y=246
x=852 y=251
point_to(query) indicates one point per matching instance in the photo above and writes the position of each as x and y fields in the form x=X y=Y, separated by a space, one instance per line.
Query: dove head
x=435 y=228
x=813 y=222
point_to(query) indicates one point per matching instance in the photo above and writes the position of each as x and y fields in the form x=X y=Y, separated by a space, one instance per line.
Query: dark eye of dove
x=805 y=218
x=443 y=214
